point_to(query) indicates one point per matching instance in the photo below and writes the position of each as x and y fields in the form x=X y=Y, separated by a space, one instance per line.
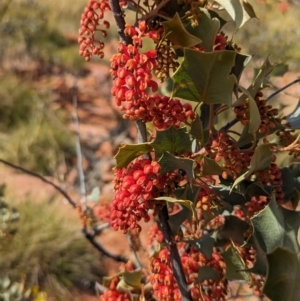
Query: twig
x=89 y=236
x=155 y=11
x=283 y=88
x=99 y=247
x=78 y=149
x=138 y=262
x=34 y=174
x=120 y=21
x=175 y=259
x=97 y=230
x=230 y=124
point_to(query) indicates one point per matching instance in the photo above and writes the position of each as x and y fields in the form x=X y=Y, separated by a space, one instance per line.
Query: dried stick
x=78 y=149
x=175 y=258
x=282 y=89
x=89 y=236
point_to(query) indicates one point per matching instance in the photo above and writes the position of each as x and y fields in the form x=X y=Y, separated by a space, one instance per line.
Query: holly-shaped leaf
x=247 y=137
x=232 y=198
x=241 y=60
x=197 y=129
x=233 y=229
x=235 y=266
x=186 y=203
x=253 y=112
x=206 y=30
x=283 y=277
x=260 y=160
x=240 y=11
x=175 y=141
x=133 y=278
x=284 y=224
x=204 y=245
x=207 y=272
x=210 y=167
x=178 y=35
x=295 y=197
x=175 y=220
x=129 y=152
x=204 y=77
x=265 y=70
x=169 y=162
x=190 y=192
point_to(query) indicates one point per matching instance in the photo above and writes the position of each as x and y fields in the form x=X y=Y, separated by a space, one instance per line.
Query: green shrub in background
x=26 y=36
x=32 y=134
x=273 y=34
x=50 y=250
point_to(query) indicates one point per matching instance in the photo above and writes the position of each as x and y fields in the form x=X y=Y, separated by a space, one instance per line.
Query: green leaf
x=295 y=197
x=169 y=162
x=235 y=265
x=254 y=115
x=176 y=220
x=246 y=137
x=186 y=203
x=94 y=195
x=206 y=30
x=190 y=192
x=207 y=272
x=280 y=69
x=255 y=189
x=260 y=160
x=175 y=141
x=129 y=152
x=239 y=11
x=265 y=70
x=233 y=198
x=197 y=129
x=283 y=277
x=260 y=264
x=211 y=167
x=178 y=35
x=233 y=229
x=284 y=224
x=133 y=278
x=204 y=77
x=241 y=60
x=204 y=245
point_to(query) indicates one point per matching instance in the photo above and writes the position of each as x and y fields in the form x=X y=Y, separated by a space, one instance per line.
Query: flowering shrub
x=213 y=190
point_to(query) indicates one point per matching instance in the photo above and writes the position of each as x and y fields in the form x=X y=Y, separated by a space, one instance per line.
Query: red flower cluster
x=267 y=114
x=223 y=146
x=90 y=24
x=166 y=288
x=163 y=282
x=132 y=82
x=102 y=212
x=135 y=187
x=155 y=236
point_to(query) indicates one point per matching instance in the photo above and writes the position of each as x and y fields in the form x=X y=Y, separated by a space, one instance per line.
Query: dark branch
x=175 y=258
x=89 y=236
x=283 y=88
x=34 y=174
x=99 y=247
x=120 y=21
